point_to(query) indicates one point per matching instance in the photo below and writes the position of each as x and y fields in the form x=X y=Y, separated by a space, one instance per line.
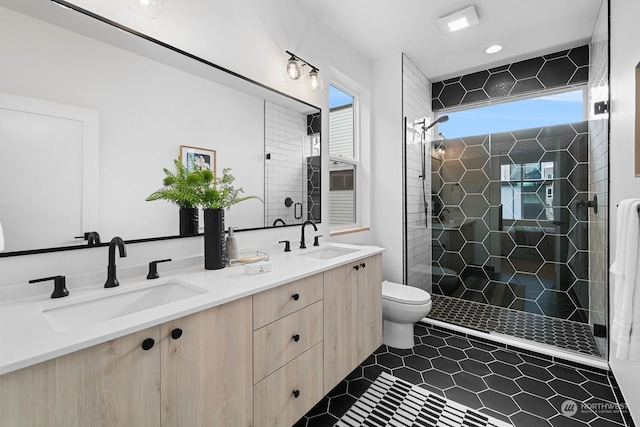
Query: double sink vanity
x=194 y=347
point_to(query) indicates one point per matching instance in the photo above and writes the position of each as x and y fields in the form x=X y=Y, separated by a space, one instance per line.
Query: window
x=558 y=108
x=524 y=193
x=343 y=158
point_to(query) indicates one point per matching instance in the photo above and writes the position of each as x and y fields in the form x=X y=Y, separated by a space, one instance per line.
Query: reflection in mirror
x=527 y=190
x=147 y=100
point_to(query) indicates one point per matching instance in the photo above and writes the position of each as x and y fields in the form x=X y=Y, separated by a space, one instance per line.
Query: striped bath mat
x=390 y=401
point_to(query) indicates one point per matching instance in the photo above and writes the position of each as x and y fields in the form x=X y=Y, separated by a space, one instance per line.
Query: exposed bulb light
x=314 y=81
x=149 y=9
x=493 y=49
x=294 y=72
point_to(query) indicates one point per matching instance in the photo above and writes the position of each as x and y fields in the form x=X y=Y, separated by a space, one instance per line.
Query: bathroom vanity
x=252 y=350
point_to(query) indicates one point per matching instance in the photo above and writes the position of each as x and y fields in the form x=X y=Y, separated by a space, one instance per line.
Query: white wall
x=386 y=191
x=625 y=55
x=248 y=37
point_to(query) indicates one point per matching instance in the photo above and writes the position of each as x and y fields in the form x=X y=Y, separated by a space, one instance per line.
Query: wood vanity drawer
x=276 y=402
x=277 y=343
x=274 y=304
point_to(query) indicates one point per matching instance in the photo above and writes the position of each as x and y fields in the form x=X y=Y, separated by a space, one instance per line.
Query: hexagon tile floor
x=560 y=333
x=524 y=389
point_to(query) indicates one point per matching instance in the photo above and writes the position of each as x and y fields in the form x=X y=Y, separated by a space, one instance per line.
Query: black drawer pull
x=148 y=344
x=356 y=267
x=296 y=393
x=363 y=265
x=176 y=333
x=296 y=337
x=295 y=297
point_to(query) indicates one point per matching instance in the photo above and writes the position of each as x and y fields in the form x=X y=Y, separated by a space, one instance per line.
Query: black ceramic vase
x=214 y=242
x=188 y=221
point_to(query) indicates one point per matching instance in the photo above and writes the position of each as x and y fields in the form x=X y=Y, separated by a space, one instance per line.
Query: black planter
x=188 y=221
x=214 y=242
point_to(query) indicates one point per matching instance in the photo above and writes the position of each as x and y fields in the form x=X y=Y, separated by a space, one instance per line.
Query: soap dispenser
x=232 y=247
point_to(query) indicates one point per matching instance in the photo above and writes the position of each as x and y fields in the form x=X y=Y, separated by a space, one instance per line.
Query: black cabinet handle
x=363 y=265
x=148 y=344
x=296 y=337
x=296 y=393
x=176 y=333
x=356 y=267
x=295 y=297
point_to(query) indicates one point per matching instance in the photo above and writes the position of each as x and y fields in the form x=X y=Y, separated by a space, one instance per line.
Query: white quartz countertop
x=27 y=337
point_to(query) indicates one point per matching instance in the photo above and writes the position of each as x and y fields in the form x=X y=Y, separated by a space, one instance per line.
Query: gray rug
x=390 y=401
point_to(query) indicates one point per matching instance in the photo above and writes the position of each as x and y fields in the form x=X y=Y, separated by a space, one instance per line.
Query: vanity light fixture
x=456 y=21
x=149 y=9
x=493 y=49
x=294 y=71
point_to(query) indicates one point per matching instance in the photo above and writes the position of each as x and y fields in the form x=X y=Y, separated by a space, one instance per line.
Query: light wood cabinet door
x=369 y=306
x=206 y=372
x=112 y=384
x=276 y=303
x=340 y=324
x=287 y=394
x=277 y=343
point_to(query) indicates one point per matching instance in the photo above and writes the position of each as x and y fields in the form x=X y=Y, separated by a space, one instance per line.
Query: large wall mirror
x=90 y=115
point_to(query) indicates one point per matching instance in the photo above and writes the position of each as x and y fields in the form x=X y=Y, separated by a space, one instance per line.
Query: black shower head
x=440 y=119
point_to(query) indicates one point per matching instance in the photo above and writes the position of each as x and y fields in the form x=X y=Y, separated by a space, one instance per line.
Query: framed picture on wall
x=201 y=158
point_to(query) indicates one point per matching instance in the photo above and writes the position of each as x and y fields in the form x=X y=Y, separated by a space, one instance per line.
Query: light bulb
x=293 y=70
x=149 y=9
x=314 y=81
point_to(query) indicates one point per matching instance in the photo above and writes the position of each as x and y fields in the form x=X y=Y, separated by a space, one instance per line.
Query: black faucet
x=59 y=282
x=93 y=238
x=302 y=245
x=112 y=281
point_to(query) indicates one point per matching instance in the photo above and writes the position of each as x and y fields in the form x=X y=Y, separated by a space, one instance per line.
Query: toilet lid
x=404 y=294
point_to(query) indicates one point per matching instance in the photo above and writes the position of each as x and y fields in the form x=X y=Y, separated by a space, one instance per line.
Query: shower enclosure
x=510 y=234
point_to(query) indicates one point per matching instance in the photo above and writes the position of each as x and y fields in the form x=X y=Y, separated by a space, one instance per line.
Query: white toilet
x=402 y=306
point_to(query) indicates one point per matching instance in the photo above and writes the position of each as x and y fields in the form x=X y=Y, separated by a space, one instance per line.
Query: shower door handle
x=500 y=223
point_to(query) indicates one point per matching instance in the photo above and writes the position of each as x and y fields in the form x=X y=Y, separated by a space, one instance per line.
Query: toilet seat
x=404 y=294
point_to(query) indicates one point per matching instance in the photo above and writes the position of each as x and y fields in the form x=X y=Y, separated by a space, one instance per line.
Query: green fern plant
x=223 y=195
x=198 y=188
x=183 y=187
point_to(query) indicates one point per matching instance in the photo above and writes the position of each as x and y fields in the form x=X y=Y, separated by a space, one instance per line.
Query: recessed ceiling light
x=464 y=18
x=493 y=49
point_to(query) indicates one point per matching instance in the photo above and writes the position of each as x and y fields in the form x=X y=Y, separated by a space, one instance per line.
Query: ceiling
x=381 y=28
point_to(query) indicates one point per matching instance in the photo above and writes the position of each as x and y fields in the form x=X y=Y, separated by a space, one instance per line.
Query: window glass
x=559 y=108
x=342 y=195
x=527 y=191
x=341 y=136
x=343 y=163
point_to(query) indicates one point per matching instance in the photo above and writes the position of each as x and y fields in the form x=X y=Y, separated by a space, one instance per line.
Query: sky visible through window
x=338 y=98
x=547 y=110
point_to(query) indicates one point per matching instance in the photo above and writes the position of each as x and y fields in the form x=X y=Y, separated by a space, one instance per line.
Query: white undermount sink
x=112 y=303
x=328 y=252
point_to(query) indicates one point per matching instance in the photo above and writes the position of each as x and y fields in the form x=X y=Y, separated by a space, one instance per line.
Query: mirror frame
x=226 y=75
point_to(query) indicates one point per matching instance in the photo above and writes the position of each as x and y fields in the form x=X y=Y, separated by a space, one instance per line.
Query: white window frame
x=355 y=161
